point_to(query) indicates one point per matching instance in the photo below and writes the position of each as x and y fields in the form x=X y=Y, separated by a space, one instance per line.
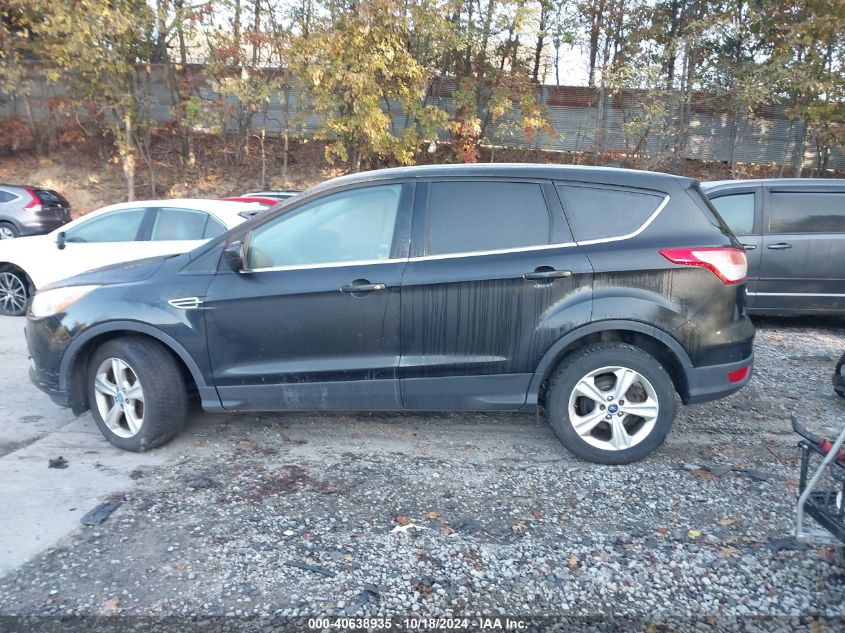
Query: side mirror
x=60 y=240
x=234 y=255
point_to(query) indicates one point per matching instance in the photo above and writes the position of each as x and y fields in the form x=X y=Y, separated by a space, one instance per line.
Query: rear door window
x=806 y=212
x=737 y=209
x=114 y=226
x=477 y=216
x=178 y=224
x=599 y=213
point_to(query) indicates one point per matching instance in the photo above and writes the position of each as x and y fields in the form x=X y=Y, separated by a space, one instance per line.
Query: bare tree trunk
x=786 y=148
x=128 y=156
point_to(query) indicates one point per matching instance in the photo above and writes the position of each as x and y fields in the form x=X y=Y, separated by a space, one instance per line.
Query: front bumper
x=712 y=382
x=45 y=353
x=49 y=384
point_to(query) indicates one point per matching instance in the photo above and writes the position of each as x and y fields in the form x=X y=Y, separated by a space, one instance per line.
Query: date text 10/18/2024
x=439 y=624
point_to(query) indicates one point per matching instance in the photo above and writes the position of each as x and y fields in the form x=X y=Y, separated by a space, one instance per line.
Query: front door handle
x=780 y=246
x=362 y=285
x=545 y=274
x=749 y=247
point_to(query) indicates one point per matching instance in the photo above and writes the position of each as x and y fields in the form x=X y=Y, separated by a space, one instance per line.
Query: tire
x=15 y=292
x=156 y=413
x=8 y=231
x=625 y=437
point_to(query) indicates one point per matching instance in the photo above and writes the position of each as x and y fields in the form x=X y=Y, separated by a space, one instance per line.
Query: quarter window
x=179 y=224
x=802 y=212
x=5 y=196
x=596 y=213
x=737 y=210
x=354 y=225
x=467 y=217
x=115 y=226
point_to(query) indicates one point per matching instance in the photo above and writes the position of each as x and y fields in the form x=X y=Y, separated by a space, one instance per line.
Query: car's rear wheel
x=8 y=231
x=136 y=393
x=14 y=293
x=611 y=403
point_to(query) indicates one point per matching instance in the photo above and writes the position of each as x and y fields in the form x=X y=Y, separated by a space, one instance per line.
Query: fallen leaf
x=573 y=562
x=402 y=520
x=521 y=527
x=694 y=534
x=112 y=605
x=727 y=550
x=537 y=514
x=703 y=474
x=711 y=620
x=727 y=522
x=432 y=515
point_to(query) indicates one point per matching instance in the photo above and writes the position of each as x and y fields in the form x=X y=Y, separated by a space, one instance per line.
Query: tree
x=356 y=67
x=101 y=48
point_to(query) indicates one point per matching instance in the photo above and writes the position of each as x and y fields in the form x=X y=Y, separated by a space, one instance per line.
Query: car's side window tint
x=471 y=216
x=350 y=226
x=178 y=224
x=804 y=212
x=213 y=228
x=596 y=213
x=737 y=209
x=115 y=226
x=5 y=196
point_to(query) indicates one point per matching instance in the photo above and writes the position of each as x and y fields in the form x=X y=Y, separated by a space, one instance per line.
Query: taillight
x=738 y=375
x=728 y=264
x=34 y=203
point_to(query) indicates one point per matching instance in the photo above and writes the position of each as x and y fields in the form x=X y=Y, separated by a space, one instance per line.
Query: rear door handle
x=780 y=246
x=546 y=275
x=749 y=247
x=364 y=287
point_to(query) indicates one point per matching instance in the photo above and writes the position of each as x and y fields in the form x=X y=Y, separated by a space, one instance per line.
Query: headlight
x=50 y=302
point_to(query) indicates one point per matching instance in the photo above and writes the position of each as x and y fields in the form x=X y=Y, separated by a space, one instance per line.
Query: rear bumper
x=40 y=226
x=712 y=382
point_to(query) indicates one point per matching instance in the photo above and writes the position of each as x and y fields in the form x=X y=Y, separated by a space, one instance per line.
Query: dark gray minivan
x=793 y=230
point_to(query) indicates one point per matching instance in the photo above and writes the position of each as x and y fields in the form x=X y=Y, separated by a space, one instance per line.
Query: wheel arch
x=79 y=351
x=665 y=348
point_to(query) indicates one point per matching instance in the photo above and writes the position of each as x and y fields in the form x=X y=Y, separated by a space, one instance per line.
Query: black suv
x=595 y=293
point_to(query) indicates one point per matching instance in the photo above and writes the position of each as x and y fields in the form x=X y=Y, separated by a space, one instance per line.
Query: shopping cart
x=821 y=490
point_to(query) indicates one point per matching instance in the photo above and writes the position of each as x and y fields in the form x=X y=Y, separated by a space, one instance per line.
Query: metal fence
x=584 y=120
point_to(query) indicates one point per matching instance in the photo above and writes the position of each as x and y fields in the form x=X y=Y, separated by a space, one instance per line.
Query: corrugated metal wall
x=577 y=114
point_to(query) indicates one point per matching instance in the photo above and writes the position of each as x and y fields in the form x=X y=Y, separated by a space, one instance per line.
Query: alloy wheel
x=120 y=397
x=613 y=408
x=13 y=293
x=6 y=233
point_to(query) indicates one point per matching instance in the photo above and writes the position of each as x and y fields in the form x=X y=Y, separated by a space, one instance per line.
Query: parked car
x=596 y=293
x=117 y=233
x=30 y=211
x=839 y=377
x=265 y=202
x=277 y=195
x=793 y=230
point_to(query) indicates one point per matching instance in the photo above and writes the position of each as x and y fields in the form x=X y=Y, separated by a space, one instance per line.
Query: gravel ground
x=453 y=515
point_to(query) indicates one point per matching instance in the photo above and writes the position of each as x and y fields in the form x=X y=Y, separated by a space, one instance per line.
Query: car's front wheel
x=611 y=403
x=136 y=393
x=14 y=292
